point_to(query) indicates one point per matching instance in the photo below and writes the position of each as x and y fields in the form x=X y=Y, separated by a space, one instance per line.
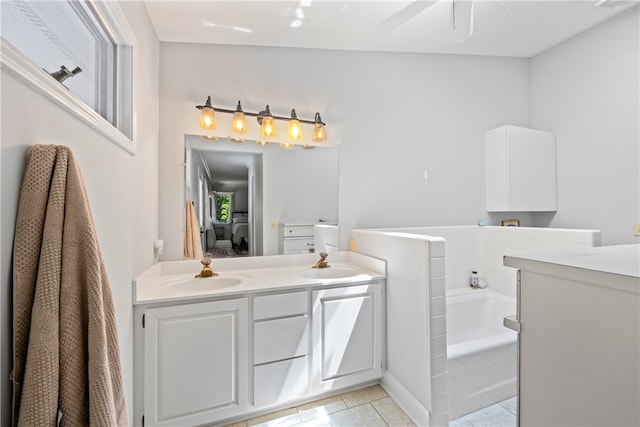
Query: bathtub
x=481 y=352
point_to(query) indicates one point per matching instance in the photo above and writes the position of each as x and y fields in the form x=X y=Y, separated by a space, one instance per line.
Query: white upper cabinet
x=520 y=170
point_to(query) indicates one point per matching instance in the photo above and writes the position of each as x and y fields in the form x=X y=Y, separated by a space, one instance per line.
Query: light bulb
x=295 y=130
x=268 y=128
x=319 y=135
x=207 y=118
x=239 y=122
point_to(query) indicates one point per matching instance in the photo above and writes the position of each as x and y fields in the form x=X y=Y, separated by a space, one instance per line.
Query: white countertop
x=592 y=263
x=258 y=274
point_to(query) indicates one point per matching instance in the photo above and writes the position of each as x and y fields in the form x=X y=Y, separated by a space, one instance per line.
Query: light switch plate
x=636 y=229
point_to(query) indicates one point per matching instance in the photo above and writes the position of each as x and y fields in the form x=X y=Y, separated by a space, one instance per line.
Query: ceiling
x=517 y=28
x=228 y=167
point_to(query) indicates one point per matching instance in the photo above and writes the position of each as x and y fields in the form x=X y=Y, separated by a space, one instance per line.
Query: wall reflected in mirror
x=242 y=191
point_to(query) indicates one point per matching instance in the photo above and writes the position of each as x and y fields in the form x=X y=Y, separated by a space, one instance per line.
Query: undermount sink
x=330 y=273
x=204 y=284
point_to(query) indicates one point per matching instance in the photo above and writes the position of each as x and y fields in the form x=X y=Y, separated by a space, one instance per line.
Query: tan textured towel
x=66 y=356
x=192 y=244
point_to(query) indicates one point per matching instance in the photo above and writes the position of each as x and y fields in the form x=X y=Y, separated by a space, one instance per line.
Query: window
x=39 y=37
x=223 y=207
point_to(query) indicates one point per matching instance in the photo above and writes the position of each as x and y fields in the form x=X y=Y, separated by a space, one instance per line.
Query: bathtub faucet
x=322 y=262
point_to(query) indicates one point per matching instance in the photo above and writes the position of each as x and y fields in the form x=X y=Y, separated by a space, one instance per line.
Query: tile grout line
x=377 y=412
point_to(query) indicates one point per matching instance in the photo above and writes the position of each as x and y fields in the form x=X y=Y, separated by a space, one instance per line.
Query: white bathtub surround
x=472 y=247
x=416 y=346
x=496 y=242
x=481 y=352
x=425 y=264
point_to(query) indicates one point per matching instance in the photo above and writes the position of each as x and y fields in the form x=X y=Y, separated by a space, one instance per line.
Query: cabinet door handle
x=512 y=323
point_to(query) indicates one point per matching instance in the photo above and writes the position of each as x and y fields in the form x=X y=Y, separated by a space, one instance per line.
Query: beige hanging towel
x=192 y=244
x=66 y=357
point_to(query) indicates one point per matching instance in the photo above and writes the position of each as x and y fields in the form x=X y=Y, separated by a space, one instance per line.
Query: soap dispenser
x=474 y=281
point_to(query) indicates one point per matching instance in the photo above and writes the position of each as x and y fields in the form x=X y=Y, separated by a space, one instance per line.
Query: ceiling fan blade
x=461 y=21
x=403 y=15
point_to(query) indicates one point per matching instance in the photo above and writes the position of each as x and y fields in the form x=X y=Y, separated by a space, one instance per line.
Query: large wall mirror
x=240 y=192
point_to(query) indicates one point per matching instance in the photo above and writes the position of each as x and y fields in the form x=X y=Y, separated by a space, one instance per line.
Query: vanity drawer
x=297 y=231
x=281 y=381
x=281 y=305
x=280 y=339
x=296 y=245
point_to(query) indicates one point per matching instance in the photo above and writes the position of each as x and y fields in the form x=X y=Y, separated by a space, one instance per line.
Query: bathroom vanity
x=267 y=331
x=579 y=336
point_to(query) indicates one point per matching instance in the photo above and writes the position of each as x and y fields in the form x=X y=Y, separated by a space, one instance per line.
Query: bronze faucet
x=322 y=262
x=206 y=270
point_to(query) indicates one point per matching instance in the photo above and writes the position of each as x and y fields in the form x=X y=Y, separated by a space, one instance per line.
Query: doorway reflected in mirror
x=242 y=191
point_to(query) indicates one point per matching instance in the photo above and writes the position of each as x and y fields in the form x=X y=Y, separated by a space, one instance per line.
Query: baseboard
x=418 y=413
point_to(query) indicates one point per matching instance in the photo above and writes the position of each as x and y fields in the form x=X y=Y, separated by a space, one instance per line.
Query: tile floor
x=501 y=414
x=372 y=407
x=367 y=407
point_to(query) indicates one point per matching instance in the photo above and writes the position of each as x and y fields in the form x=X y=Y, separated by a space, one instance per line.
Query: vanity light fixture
x=287 y=145
x=267 y=127
x=207 y=116
x=294 y=132
x=239 y=122
x=319 y=134
x=266 y=120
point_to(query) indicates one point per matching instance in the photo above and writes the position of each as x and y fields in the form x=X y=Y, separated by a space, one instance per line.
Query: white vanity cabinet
x=195 y=362
x=579 y=336
x=520 y=170
x=280 y=348
x=347 y=335
x=216 y=357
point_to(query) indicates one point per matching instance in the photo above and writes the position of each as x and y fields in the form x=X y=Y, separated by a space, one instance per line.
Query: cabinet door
x=520 y=170
x=531 y=170
x=347 y=336
x=196 y=362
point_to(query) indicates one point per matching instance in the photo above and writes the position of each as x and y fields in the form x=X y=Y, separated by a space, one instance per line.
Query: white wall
x=122 y=189
x=368 y=99
x=586 y=91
